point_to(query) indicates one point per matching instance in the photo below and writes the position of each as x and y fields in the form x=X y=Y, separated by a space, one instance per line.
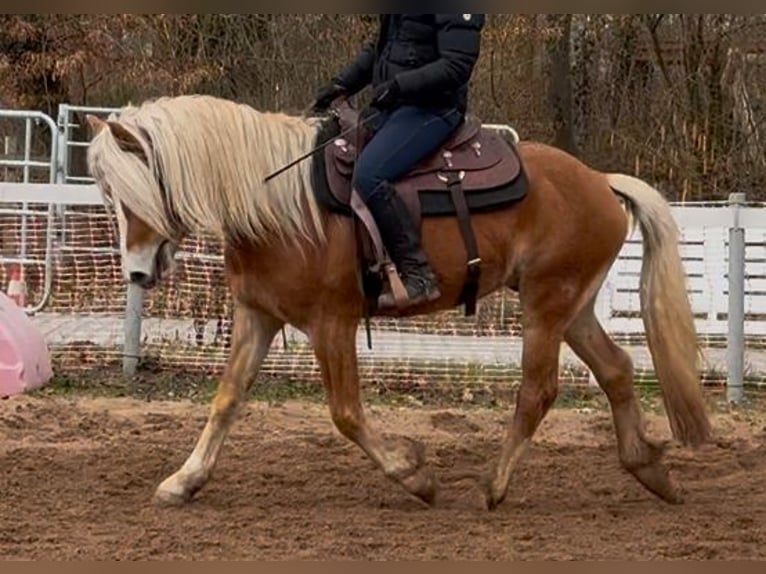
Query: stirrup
x=388 y=299
x=400 y=298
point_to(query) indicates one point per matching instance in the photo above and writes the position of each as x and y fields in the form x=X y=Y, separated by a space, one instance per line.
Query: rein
x=336 y=114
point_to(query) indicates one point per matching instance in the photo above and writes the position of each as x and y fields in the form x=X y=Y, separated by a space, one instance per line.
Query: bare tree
x=560 y=90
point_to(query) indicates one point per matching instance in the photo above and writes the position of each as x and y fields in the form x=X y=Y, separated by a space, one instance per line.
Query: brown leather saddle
x=476 y=169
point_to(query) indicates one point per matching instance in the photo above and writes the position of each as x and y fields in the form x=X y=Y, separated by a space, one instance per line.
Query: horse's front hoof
x=416 y=477
x=424 y=486
x=169 y=500
x=170 y=495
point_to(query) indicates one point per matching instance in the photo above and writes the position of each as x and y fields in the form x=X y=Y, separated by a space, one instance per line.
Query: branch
x=652 y=24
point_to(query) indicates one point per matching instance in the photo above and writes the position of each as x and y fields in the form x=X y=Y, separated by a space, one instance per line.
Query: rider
x=419 y=69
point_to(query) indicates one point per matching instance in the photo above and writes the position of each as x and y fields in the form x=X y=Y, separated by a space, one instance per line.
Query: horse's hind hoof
x=656 y=479
x=654 y=475
x=493 y=503
x=492 y=499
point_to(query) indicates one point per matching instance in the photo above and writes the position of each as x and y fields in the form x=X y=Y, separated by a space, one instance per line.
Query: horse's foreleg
x=538 y=392
x=613 y=369
x=402 y=460
x=251 y=339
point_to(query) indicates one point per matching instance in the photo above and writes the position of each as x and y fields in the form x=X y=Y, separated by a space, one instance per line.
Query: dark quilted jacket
x=431 y=57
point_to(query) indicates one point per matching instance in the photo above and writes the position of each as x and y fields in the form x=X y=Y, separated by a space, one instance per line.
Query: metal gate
x=67 y=142
x=26 y=167
x=67 y=124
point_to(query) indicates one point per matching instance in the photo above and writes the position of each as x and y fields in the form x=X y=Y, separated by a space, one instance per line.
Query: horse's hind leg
x=537 y=393
x=613 y=368
x=251 y=340
x=403 y=461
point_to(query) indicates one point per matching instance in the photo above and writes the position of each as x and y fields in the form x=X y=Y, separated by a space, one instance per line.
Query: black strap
x=471 y=287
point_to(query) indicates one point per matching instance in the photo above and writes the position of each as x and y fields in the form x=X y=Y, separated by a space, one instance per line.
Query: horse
x=172 y=167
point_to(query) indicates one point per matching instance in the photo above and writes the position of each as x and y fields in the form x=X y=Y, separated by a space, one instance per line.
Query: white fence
x=706 y=233
x=723 y=248
x=724 y=253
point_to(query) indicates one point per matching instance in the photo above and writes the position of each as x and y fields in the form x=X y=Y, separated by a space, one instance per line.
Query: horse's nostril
x=138 y=277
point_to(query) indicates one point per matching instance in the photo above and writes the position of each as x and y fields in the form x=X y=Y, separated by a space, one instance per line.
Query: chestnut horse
x=173 y=167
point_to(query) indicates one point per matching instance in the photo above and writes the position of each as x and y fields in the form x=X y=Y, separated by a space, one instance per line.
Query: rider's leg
x=408 y=136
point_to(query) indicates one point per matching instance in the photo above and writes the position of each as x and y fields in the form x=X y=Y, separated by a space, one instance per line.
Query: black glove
x=325 y=96
x=386 y=95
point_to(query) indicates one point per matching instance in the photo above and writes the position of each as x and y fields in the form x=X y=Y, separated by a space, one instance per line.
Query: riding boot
x=402 y=241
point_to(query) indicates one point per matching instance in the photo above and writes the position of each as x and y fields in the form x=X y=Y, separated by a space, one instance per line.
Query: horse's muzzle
x=143 y=280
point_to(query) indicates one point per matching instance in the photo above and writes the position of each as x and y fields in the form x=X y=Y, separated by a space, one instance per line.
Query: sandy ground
x=78 y=475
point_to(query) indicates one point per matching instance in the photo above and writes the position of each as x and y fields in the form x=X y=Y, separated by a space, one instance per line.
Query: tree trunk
x=560 y=87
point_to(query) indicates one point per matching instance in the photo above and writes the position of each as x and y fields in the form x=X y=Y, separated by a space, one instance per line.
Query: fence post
x=736 y=348
x=62 y=165
x=132 y=346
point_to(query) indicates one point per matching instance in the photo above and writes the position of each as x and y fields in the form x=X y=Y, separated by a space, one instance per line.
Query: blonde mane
x=211 y=156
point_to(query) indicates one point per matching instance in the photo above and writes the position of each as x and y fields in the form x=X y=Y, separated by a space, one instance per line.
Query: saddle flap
x=477 y=153
x=501 y=167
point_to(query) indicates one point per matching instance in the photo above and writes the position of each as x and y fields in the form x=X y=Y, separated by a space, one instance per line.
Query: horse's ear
x=126 y=140
x=96 y=124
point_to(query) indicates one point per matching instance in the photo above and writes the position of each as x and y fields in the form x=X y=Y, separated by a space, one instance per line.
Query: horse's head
x=121 y=167
x=147 y=256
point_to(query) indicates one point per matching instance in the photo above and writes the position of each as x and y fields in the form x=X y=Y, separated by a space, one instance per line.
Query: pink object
x=25 y=362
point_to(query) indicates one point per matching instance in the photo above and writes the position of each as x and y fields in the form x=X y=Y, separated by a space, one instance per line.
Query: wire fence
x=634 y=93
x=187 y=321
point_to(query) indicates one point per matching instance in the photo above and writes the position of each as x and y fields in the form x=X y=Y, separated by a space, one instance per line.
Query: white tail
x=666 y=310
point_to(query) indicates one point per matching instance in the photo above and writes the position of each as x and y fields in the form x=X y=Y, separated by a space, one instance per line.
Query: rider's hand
x=325 y=96
x=386 y=95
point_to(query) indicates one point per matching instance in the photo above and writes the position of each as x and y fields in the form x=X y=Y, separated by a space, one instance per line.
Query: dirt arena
x=78 y=475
